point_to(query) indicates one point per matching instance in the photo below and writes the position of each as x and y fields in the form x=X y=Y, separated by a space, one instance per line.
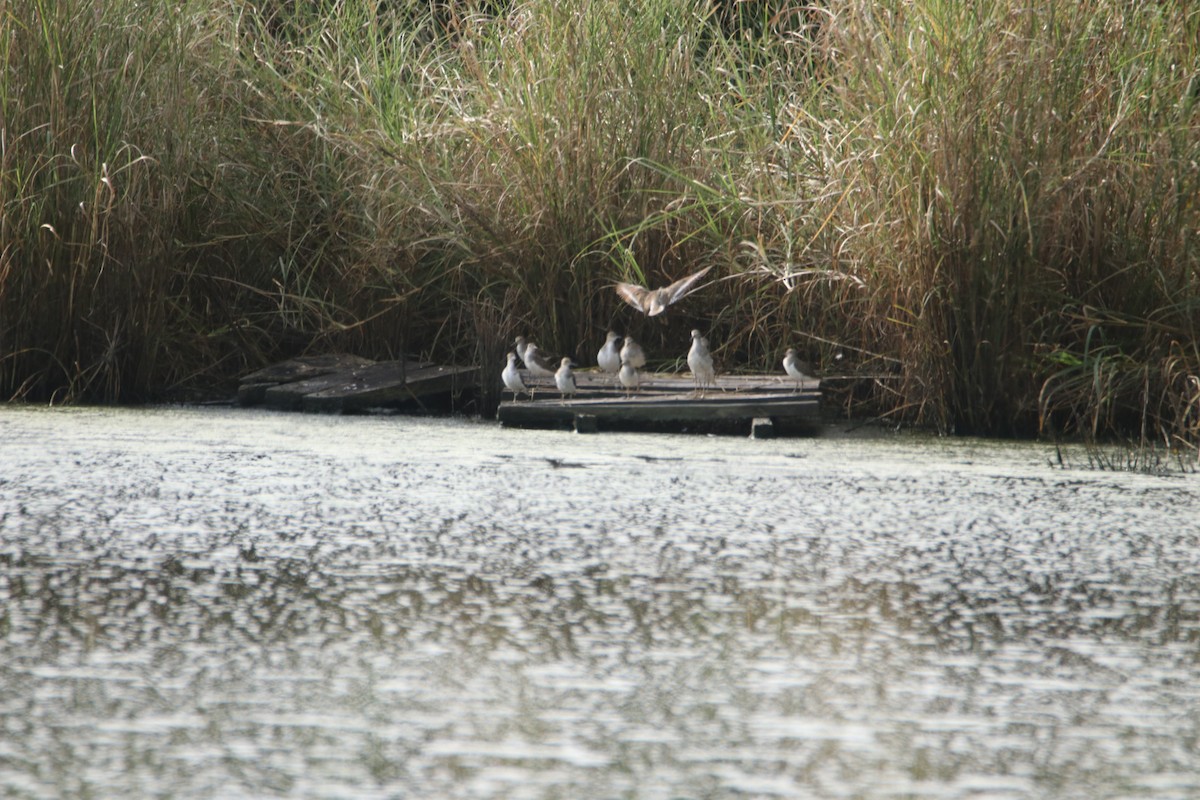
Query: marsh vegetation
x=989 y=207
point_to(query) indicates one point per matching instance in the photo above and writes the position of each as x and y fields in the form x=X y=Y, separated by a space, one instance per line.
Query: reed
x=986 y=207
x=1035 y=170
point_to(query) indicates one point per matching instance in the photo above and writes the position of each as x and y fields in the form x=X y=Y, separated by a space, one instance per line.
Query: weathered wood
x=586 y=423
x=389 y=383
x=290 y=396
x=253 y=394
x=305 y=367
x=653 y=409
x=349 y=383
x=671 y=400
x=591 y=381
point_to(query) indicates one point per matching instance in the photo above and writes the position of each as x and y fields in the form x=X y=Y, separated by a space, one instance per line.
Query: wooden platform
x=342 y=383
x=762 y=405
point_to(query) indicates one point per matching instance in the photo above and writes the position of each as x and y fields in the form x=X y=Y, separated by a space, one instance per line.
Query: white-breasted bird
x=536 y=363
x=609 y=357
x=700 y=362
x=653 y=302
x=563 y=379
x=512 y=377
x=632 y=352
x=795 y=368
x=629 y=377
x=522 y=344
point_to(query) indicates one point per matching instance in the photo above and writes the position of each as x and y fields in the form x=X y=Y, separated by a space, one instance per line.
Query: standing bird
x=564 y=380
x=536 y=363
x=512 y=377
x=522 y=345
x=795 y=368
x=700 y=363
x=653 y=302
x=632 y=352
x=609 y=357
x=629 y=377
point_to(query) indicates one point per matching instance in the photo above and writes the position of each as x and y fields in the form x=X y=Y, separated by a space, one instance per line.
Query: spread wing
x=653 y=302
x=684 y=286
x=636 y=296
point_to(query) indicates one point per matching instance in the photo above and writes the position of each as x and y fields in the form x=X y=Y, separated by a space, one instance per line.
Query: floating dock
x=344 y=384
x=760 y=405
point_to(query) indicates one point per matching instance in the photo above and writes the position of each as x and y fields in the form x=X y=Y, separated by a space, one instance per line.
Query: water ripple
x=199 y=603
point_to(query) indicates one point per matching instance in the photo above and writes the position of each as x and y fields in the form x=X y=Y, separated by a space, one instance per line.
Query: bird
x=700 y=363
x=536 y=363
x=609 y=357
x=522 y=344
x=632 y=352
x=563 y=379
x=512 y=377
x=629 y=377
x=795 y=368
x=653 y=302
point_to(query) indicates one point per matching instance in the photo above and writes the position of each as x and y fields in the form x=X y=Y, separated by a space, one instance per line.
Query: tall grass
x=84 y=204
x=151 y=230
x=1036 y=170
x=987 y=208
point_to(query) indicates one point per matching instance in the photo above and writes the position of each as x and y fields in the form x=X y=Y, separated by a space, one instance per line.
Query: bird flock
x=621 y=363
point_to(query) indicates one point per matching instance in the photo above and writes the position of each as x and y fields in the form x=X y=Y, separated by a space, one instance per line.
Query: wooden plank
x=305 y=367
x=252 y=390
x=550 y=411
x=290 y=396
x=388 y=383
x=252 y=394
x=663 y=382
x=666 y=400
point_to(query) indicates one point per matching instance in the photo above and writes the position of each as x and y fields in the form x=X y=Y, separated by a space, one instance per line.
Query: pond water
x=200 y=603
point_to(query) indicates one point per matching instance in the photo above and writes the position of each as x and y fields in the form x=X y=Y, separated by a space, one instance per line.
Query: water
x=226 y=603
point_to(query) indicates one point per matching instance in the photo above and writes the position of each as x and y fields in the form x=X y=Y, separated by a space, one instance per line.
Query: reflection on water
x=218 y=603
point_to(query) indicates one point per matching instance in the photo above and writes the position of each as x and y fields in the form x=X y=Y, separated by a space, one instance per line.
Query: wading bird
x=536 y=363
x=632 y=353
x=629 y=377
x=564 y=380
x=522 y=344
x=795 y=368
x=609 y=357
x=512 y=377
x=700 y=362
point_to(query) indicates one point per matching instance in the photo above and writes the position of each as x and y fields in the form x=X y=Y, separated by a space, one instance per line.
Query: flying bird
x=653 y=302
